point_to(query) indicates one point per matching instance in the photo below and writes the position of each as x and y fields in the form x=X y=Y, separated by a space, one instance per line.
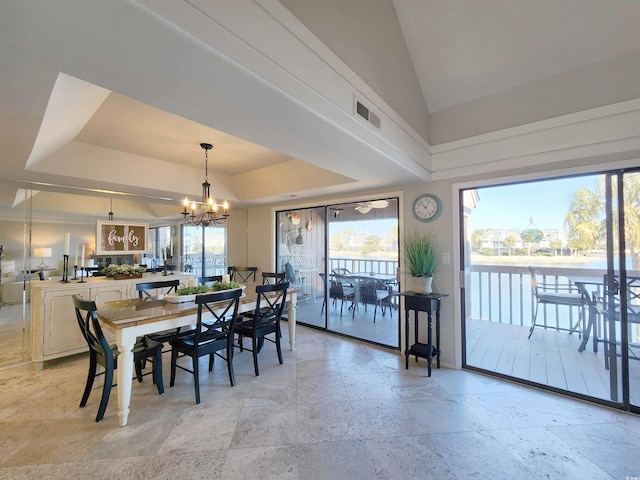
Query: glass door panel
x=534 y=278
x=300 y=254
x=362 y=270
x=627 y=327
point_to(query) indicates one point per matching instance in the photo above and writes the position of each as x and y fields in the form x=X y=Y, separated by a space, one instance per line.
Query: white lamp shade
x=42 y=252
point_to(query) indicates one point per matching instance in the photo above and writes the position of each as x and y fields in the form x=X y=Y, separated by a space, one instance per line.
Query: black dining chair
x=152 y=289
x=161 y=287
x=209 y=279
x=270 y=303
x=242 y=274
x=271 y=278
x=217 y=312
x=101 y=353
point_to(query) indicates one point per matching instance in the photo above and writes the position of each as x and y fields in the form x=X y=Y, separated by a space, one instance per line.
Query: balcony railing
x=363 y=265
x=503 y=294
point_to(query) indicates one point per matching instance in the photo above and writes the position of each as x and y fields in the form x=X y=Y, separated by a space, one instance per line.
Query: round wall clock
x=427 y=207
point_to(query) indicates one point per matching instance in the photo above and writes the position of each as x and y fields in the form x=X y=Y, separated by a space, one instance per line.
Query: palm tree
x=586 y=218
x=510 y=242
x=556 y=245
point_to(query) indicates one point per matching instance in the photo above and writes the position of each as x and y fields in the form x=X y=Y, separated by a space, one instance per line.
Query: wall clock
x=427 y=207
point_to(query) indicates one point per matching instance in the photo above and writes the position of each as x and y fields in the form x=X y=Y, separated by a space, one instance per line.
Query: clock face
x=427 y=207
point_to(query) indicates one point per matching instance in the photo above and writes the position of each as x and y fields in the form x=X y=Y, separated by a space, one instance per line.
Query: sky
x=514 y=206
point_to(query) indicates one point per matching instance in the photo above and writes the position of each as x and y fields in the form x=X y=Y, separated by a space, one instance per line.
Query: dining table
x=129 y=319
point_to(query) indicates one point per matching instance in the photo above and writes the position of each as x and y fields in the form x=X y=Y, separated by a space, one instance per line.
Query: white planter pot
x=420 y=284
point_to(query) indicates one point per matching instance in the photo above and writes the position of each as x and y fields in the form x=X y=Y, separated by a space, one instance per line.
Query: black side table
x=430 y=304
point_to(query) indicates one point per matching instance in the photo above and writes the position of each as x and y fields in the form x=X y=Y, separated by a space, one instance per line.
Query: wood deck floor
x=549 y=358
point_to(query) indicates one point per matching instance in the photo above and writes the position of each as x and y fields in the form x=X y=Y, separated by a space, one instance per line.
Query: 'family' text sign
x=121 y=238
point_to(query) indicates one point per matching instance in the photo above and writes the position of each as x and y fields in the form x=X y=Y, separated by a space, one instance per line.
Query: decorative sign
x=121 y=238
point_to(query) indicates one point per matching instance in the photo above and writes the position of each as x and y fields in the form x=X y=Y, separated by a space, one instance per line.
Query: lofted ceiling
x=122 y=115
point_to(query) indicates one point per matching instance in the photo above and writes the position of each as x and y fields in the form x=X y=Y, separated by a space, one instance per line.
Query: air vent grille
x=365 y=112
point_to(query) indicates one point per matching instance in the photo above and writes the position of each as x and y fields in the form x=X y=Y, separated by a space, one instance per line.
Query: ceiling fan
x=365 y=207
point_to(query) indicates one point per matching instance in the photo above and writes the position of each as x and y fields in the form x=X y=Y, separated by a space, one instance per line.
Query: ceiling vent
x=365 y=113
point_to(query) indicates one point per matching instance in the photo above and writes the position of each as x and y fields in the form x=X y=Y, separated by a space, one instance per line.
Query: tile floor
x=336 y=409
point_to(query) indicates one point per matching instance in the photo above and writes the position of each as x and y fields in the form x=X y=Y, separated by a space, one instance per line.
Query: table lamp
x=42 y=253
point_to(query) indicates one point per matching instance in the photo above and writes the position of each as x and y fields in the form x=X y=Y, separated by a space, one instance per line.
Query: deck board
x=549 y=358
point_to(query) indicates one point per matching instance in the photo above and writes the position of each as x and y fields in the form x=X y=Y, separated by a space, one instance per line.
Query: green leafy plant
x=215 y=287
x=113 y=269
x=419 y=254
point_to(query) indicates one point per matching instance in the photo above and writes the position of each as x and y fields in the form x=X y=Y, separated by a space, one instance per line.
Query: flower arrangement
x=113 y=270
x=215 y=287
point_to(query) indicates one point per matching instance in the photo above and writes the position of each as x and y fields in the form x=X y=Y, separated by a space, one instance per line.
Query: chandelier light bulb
x=206 y=213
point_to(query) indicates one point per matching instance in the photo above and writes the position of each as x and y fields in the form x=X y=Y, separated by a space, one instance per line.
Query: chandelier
x=208 y=213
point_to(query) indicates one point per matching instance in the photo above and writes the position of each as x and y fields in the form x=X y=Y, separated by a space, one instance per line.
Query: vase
x=421 y=284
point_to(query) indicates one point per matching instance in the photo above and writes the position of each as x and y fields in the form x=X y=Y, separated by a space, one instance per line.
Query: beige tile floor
x=336 y=409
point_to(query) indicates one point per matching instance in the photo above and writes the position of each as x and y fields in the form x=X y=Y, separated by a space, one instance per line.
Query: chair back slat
x=144 y=288
x=209 y=279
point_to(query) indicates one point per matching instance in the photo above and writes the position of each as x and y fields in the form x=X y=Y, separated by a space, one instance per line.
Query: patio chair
x=375 y=292
x=612 y=315
x=553 y=294
x=338 y=290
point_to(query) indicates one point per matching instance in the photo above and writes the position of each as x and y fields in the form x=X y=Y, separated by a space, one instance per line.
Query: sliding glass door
x=344 y=258
x=549 y=293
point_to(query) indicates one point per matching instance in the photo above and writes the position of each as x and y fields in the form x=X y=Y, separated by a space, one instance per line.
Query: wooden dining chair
x=217 y=314
x=242 y=274
x=209 y=279
x=152 y=289
x=101 y=353
x=161 y=287
x=270 y=303
x=271 y=278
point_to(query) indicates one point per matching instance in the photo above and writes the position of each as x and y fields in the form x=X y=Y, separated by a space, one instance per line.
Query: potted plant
x=121 y=272
x=420 y=259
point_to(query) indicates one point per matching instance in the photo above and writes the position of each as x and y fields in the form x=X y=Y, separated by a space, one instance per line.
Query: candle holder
x=65 y=267
x=75 y=272
x=82 y=275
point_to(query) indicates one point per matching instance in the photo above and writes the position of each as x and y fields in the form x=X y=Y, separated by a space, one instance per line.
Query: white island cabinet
x=54 y=329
